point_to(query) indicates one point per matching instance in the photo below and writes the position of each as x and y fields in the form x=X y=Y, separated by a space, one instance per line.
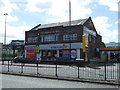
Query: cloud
x=9 y=18
x=18 y=1
x=117 y=22
x=38 y=5
x=13 y=32
x=102 y=26
x=7 y=7
x=112 y=4
x=59 y=9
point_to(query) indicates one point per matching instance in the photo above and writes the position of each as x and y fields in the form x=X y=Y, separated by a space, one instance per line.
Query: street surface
x=12 y=81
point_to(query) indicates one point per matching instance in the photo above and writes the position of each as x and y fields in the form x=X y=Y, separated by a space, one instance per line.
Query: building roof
x=74 y=22
x=17 y=42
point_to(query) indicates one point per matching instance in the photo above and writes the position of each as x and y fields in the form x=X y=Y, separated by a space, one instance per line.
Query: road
x=12 y=81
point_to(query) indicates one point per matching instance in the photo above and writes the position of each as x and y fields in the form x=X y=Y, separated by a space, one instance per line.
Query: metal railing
x=91 y=71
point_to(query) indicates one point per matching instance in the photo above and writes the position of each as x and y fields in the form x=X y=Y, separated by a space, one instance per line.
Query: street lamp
x=5 y=28
x=5 y=38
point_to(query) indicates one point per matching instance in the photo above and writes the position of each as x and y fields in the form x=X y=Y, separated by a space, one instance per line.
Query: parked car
x=20 y=59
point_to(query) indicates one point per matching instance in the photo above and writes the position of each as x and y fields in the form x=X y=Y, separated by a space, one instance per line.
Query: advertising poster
x=31 y=54
x=66 y=53
x=73 y=54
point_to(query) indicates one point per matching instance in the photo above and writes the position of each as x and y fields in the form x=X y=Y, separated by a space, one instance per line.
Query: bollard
x=37 y=69
x=78 y=72
x=56 y=70
x=21 y=68
x=8 y=65
x=2 y=62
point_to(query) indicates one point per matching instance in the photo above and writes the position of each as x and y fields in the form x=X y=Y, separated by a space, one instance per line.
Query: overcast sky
x=25 y=14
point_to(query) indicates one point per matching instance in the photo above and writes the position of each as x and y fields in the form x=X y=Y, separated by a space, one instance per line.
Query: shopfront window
x=49 y=54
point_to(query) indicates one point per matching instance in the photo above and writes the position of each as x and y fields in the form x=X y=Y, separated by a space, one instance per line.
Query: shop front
x=52 y=51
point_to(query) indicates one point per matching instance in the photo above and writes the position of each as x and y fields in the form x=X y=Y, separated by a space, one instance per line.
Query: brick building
x=62 y=40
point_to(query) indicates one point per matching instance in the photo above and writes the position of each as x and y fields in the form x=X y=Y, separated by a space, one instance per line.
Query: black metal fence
x=91 y=71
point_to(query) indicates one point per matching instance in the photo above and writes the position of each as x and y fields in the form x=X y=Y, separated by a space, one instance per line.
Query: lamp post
x=5 y=38
x=5 y=28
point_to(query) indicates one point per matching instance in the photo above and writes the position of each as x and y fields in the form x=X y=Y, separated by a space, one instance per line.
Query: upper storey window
x=32 y=39
x=70 y=37
x=48 y=38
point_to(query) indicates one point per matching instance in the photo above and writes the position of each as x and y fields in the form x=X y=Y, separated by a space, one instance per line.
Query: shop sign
x=54 y=46
x=29 y=47
x=59 y=47
x=76 y=45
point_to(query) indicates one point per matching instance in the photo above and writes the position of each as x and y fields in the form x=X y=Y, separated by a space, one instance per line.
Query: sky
x=25 y=14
